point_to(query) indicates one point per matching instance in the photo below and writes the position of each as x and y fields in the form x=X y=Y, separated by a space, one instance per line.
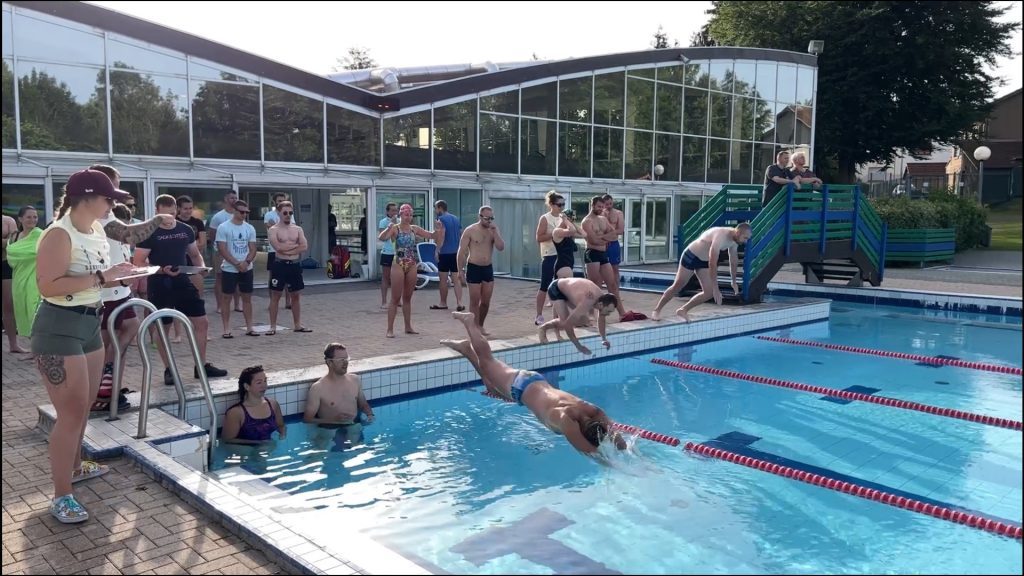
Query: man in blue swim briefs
x=584 y=425
x=701 y=258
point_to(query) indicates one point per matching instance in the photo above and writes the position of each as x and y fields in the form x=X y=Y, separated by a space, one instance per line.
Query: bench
x=920 y=245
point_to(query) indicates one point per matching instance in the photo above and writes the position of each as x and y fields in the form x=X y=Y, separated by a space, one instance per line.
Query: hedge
x=941 y=209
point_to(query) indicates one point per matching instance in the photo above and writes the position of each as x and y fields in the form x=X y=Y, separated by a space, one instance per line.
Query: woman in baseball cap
x=72 y=264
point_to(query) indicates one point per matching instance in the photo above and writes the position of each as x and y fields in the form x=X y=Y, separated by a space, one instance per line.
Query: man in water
x=584 y=425
x=337 y=398
x=701 y=258
x=573 y=299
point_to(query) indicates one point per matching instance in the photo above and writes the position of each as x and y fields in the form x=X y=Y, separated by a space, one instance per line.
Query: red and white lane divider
x=940 y=512
x=847 y=395
x=901 y=355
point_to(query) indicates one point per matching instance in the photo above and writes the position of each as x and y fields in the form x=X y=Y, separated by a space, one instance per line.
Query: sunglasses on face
x=286 y=213
x=560 y=204
x=241 y=211
x=487 y=218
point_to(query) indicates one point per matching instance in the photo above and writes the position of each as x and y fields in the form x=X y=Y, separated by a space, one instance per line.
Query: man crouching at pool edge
x=584 y=425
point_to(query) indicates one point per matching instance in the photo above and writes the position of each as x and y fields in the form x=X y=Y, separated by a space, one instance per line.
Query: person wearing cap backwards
x=73 y=264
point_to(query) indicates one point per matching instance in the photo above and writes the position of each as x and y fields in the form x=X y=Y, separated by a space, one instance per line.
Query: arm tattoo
x=117 y=230
x=52 y=367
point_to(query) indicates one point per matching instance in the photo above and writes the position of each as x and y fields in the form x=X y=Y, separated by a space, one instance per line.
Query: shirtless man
x=476 y=247
x=9 y=228
x=617 y=220
x=584 y=425
x=701 y=257
x=289 y=242
x=573 y=300
x=599 y=232
x=336 y=400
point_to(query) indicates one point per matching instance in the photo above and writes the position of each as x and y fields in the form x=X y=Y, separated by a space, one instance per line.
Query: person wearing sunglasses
x=236 y=244
x=289 y=242
x=556 y=250
x=476 y=247
x=72 y=265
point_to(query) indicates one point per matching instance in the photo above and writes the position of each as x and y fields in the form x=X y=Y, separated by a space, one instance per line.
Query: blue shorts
x=690 y=261
x=523 y=380
x=614 y=252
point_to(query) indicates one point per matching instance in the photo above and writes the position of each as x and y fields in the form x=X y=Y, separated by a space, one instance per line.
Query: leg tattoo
x=52 y=367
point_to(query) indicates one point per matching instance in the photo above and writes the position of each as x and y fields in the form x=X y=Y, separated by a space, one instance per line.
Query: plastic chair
x=427 y=270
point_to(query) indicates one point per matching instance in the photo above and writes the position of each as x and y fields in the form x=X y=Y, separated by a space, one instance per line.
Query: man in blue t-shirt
x=236 y=244
x=216 y=220
x=168 y=288
x=447 y=257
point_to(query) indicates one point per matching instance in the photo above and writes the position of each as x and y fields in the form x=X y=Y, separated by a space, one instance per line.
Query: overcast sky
x=312 y=35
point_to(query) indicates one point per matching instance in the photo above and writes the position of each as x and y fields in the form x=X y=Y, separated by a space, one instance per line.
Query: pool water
x=466 y=484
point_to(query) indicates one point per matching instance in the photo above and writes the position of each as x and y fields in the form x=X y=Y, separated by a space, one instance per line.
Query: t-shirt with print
x=452 y=233
x=270 y=218
x=771 y=187
x=237 y=237
x=169 y=247
x=387 y=247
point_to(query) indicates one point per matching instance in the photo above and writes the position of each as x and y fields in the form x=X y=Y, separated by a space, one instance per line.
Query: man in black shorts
x=448 y=257
x=475 y=250
x=289 y=242
x=168 y=288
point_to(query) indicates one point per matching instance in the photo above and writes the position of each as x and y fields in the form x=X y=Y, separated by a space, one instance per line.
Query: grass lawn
x=1006 y=226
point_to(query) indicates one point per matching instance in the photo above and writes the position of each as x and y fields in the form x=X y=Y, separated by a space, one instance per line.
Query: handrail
x=112 y=331
x=147 y=373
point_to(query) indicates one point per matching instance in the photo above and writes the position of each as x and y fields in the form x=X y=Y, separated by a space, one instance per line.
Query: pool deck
x=137 y=526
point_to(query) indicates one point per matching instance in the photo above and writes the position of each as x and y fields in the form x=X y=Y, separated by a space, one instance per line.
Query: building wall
x=1005 y=120
x=74 y=94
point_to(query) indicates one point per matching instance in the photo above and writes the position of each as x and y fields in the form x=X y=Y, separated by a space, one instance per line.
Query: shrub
x=942 y=209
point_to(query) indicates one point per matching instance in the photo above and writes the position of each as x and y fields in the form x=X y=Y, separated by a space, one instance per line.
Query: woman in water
x=406 y=263
x=255 y=417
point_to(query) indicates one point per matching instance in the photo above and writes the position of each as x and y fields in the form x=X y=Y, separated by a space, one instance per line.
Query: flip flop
x=436 y=307
x=271 y=332
x=88 y=470
x=303 y=329
x=227 y=335
x=460 y=308
x=252 y=333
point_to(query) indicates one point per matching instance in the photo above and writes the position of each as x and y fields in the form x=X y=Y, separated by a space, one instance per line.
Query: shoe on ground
x=67 y=510
x=168 y=377
x=211 y=371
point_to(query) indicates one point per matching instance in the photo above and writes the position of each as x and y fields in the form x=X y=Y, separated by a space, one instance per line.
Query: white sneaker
x=539 y=320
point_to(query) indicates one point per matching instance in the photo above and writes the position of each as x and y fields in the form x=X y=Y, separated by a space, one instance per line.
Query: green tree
x=893 y=74
x=661 y=39
x=702 y=37
x=357 y=58
x=52 y=119
x=146 y=121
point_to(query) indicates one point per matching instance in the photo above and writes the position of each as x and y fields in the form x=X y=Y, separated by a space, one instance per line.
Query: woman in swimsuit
x=255 y=418
x=406 y=264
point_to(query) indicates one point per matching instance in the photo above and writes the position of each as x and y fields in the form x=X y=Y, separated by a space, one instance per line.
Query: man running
x=573 y=300
x=584 y=425
x=289 y=242
x=701 y=258
x=476 y=247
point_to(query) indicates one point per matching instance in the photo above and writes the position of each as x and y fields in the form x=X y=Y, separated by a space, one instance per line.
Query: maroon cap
x=89 y=182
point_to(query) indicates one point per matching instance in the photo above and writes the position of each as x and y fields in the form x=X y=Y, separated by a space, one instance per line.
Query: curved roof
x=153 y=33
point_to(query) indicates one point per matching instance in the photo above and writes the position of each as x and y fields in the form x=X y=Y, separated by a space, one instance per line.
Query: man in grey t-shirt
x=777 y=176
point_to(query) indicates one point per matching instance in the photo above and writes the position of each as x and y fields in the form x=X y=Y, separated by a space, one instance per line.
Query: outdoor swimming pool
x=467 y=484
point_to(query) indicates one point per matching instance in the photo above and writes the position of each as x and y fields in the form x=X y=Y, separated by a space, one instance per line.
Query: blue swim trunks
x=614 y=252
x=523 y=380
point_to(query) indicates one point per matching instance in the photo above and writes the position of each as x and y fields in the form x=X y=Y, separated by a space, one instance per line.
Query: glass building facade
x=77 y=92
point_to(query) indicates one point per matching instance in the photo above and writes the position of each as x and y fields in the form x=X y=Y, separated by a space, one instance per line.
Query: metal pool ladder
x=147 y=366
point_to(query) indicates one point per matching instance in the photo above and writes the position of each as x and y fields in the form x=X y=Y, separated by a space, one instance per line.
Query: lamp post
x=814 y=47
x=658 y=170
x=981 y=153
